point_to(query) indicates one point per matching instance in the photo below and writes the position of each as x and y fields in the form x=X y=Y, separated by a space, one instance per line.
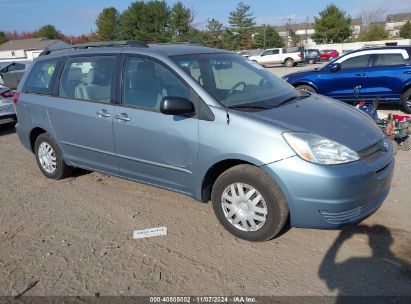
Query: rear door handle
x=361 y=75
x=103 y=113
x=122 y=117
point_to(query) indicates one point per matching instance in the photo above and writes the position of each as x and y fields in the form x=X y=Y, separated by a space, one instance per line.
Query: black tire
x=277 y=210
x=406 y=101
x=305 y=87
x=62 y=170
x=312 y=61
x=289 y=62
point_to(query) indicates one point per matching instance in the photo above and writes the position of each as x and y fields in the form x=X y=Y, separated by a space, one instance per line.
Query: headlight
x=319 y=150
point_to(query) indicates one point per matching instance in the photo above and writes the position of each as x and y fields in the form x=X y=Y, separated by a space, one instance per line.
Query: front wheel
x=49 y=158
x=406 y=101
x=289 y=63
x=249 y=204
x=305 y=87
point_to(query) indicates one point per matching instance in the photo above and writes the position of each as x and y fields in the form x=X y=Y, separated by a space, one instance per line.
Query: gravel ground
x=74 y=237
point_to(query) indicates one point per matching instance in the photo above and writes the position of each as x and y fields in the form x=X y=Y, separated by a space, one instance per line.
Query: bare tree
x=370 y=16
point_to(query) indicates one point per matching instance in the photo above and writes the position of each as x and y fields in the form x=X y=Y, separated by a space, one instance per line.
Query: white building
x=394 y=23
x=27 y=49
x=304 y=31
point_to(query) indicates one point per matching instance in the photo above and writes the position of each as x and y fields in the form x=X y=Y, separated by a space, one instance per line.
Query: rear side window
x=389 y=59
x=356 y=62
x=88 y=78
x=40 y=78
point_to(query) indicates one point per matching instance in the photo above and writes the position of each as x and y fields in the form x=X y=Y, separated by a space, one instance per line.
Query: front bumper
x=331 y=197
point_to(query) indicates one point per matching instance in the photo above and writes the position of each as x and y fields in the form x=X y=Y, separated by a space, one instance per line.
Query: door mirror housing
x=171 y=105
x=335 y=67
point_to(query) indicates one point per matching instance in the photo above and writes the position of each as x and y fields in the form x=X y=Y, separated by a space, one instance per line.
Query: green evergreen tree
x=405 y=31
x=374 y=32
x=48 y=31
x=107 y=24
x=180 y=21
x=3 y=37
x=332 y=26
x=266 y=36
x=146 y=21
x=242 y=22
x=214 y=33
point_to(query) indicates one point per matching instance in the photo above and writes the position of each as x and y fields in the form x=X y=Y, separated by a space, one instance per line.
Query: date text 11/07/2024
x=203 y=299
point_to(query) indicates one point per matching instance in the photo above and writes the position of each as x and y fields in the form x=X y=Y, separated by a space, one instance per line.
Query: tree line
x=154 y=21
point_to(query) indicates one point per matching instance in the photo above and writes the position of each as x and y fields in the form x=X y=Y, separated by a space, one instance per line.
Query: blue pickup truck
x=382 y=73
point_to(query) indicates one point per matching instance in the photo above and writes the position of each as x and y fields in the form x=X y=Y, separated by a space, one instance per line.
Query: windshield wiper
x=293 y=98
x=249 y=107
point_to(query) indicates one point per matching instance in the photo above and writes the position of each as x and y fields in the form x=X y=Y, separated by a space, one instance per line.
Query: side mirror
x=335 y=67
x=176 y=106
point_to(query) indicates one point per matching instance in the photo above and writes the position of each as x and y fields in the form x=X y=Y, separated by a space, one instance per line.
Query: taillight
x=7 y=94
x=16 y=97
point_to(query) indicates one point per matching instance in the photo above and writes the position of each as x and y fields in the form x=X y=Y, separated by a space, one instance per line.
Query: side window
x=389 y=59
x=266 y=53
x=39 y=79
x=88 y=78
x=356 y=62
x=192 y=68
x=146 y=82
x=276 y=52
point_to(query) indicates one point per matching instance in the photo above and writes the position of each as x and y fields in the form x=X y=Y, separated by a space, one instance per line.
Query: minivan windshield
x=236 y=82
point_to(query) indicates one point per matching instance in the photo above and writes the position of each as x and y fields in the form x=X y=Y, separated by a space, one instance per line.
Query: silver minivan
x=209 y=124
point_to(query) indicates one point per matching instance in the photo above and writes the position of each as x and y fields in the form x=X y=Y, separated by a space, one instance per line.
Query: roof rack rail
x=131 y=43
x=187 y=43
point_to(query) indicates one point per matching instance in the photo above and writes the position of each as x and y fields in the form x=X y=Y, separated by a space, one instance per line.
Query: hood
x=301 y=74
x=326 y=117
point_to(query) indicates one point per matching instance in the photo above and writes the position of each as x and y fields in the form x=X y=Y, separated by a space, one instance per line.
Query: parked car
x=208 y=124
x=329 y=55
x=289 y=57
x=381 y=73
x=244 y=54
x=312 y=56
x=11 y=73
x=6 y=103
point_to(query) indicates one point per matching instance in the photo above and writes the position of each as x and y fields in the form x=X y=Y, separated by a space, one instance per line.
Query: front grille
x=356 y=213
x=372 y=152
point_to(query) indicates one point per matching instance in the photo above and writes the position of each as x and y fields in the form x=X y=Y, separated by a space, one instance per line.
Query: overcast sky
x=78 y=16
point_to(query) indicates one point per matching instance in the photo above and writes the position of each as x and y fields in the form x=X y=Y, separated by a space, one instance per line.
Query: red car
x=329 y=54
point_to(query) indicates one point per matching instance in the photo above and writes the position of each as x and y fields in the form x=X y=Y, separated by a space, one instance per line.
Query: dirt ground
x=74 y=237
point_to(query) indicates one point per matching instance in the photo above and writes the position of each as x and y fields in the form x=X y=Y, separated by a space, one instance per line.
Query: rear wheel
x=289 y=62
x=312 y=61
x=406 y=101
x=305 y=87
x=49 y=158
x=249 y=204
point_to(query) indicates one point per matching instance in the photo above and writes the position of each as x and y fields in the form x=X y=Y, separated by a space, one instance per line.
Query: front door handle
x=407 y=72
x=361 y=75
x=103 y=113
x=122 y=117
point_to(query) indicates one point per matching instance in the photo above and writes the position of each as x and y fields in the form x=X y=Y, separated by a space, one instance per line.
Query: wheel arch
x=406 y=87
x=306 y=82
x=288 y=58
x=214 y=172
x=34 y=133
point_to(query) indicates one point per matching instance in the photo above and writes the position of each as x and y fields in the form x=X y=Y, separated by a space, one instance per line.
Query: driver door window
x=356 y=62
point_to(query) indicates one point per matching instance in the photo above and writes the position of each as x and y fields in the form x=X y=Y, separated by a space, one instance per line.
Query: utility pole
x=264 y=36
x=306 y=31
